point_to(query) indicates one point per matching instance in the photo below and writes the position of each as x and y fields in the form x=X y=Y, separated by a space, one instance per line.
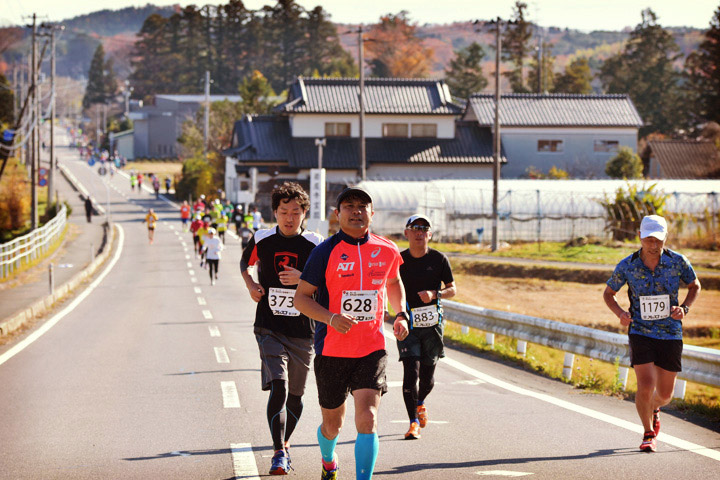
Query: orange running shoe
x=414 y=432
x=648 y=444
x=422 y=415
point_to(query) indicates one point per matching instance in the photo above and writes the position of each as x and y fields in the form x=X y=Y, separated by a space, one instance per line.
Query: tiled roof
x=267 y=139
x=556 y=110
x=685 y=158
x=381 y=95
x=192 y=98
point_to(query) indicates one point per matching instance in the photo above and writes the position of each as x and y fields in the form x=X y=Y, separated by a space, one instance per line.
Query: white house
x=578 y=133
x=411 y=129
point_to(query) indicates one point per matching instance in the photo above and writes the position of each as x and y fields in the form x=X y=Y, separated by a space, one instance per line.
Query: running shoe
x=414 y=432
x=656 y=421
x=648 y=444
x=330 y=474
x=280 y=463
x=422 y=415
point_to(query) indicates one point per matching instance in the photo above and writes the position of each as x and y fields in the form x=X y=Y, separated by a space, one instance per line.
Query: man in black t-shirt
x=427 y=278
x=283 y=334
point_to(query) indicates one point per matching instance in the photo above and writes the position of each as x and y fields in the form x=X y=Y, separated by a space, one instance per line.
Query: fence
x=35 y=244
x=700 y=364
x=532 y=210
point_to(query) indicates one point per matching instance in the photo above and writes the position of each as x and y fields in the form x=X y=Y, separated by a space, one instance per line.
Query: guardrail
x=701 y=365
x=35 y=244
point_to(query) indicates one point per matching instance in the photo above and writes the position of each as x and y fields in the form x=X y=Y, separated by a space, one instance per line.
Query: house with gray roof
x=676 y=159
x=411 y=128
x=578 y=133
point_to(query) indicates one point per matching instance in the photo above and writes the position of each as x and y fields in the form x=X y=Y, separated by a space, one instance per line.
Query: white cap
x=212 y=230
x=653 y=226
x=417 y=217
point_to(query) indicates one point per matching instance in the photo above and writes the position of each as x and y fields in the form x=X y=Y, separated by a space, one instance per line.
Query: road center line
x=230 y=395
x=207 y=314
x=198 y=290
x=201 y=301
x=244 y=465
x=214 y=330
x=221 y=355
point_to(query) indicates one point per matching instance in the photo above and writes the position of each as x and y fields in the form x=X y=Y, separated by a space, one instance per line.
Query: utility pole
x=496 y=138
x=15 y=91
x=361 y=60
x=35 y=131
x=51 y=176
x=206 y=129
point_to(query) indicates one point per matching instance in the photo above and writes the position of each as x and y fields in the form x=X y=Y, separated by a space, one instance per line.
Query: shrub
x=626 y=164
x=629 y=206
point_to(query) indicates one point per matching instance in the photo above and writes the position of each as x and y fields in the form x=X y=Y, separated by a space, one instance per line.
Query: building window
x=424 y=130
x=606 y=146
x=550 y=146
x=395 y=130
x=337 y=129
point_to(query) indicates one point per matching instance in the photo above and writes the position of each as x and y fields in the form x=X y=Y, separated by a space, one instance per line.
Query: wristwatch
x=439 y=294
x=403 y=314
x=685 y=308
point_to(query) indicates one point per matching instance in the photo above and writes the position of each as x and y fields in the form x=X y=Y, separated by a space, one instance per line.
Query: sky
x=585 y=15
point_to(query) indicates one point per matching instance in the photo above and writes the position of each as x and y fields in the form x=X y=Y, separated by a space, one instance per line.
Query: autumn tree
x=703 y=70
x=394 y=49
x=516 y=47
x=575 y=79
x=465 y=76
x=644 y=70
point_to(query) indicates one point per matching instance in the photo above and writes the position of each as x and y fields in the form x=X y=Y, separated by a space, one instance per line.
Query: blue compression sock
x=366 y=452
x=327 y=447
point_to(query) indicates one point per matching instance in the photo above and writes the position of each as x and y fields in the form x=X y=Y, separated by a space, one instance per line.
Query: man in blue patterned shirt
x=653 y=275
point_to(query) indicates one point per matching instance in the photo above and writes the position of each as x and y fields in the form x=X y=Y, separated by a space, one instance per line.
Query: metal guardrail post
x=568 y=365
x=680 y=386
x=522 y=348
x=51 y=279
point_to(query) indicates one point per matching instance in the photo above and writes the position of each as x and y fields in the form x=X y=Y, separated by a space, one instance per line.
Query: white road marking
x=187 y=257
x=71 y=306
x=188 y=263
x=191 y=272
x=201 y=301
x=193 y=279
x=230 y=395
x=221 y=355
x=214 y=330
x=198 y=290
x=633 y=427
x=244 y=465
x=207 y=314
x=503 y=473
x=394 y=384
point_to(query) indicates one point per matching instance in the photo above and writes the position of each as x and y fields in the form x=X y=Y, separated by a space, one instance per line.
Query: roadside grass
x=560 y=252
x=161 y=169
x=591 y=375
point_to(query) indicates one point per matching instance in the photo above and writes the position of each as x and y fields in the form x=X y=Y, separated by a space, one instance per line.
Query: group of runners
x=136 y=180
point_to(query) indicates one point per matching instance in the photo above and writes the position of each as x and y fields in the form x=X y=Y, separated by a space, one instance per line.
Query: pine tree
x=395 y=50
x=516 y=47
x=465 y=75
x=97 y=86
x=703 y=71
x=150 y=61
x=543 y=69
x=645 y=71
x=575 y=79
x=7 y=97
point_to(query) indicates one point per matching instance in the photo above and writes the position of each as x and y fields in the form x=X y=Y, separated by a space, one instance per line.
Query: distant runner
x=151 y=219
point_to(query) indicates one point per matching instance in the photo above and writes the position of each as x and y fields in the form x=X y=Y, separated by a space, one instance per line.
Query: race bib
x=654 y=307
x=425 y=316
x=361 y=304
x=282 y=302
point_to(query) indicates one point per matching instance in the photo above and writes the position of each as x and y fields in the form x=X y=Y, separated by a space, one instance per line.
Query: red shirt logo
x=285 y=259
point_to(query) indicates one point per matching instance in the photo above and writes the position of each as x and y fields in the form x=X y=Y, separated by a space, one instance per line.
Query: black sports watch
x=439 y=294
x=685 y=308
x=403 y=314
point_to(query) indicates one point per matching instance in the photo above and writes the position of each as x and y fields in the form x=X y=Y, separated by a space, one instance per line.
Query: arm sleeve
x=314 y=270
x=249 y=255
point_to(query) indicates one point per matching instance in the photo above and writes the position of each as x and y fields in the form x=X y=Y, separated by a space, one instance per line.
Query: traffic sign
x=42 y=176
x=91 y=161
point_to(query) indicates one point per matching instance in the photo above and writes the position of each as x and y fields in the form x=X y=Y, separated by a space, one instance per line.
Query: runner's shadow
x=507 y=461
x=212 y=371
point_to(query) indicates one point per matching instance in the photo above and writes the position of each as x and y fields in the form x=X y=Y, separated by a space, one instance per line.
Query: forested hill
x=107 y=23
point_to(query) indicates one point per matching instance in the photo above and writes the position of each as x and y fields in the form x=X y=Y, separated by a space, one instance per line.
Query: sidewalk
x=70 y=258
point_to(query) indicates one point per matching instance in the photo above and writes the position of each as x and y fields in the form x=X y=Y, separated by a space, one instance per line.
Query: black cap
x=353 y=191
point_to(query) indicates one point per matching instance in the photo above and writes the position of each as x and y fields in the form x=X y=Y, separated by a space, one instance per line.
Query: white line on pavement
x=244 y=465
x=191 y=272
x=207 y=315
x=188 y=263
x=221 y=355
x=633 y=427
x=193 y=279
x=198 y=290
x=57 y=317
x=230 y=395
x=201 y=301
x=214 y=330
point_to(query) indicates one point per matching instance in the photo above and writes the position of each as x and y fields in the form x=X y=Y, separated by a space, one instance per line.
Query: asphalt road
x=155 y=374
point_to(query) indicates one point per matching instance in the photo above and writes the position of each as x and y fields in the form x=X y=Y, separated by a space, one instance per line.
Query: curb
x=42 y=306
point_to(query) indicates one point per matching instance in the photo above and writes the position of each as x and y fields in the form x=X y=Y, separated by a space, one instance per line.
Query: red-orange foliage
x=394 y=50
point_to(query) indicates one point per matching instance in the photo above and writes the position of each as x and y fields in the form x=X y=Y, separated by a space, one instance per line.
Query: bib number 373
x=281 y=301
x=654 y=307
x=361 y=304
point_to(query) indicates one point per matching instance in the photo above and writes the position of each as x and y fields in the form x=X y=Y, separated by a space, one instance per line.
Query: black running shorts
x=424 y=343
x=666 y=354
x=338 y=376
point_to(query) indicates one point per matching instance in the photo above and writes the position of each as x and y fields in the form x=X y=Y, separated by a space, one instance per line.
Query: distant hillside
x=107 y=23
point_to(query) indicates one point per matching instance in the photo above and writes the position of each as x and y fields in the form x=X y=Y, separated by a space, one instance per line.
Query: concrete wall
x=313 y=125
x=577 y=157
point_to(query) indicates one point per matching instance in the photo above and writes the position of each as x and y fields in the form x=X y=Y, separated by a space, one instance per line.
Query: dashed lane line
x=201 y=301
x=221 y=355
x=214 y=330
x=230 y=395
x=244 y=465
x=207 y=315
x=198 y=290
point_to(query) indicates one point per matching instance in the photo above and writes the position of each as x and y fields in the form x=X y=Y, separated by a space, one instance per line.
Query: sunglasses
x=419 y=228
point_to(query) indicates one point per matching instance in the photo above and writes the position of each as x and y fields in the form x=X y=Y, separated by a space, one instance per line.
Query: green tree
x=575 y=79
x=257 y=94
x=645 y=71
x=516 y=47
x=543 y=70
x=101 y=84
x=7 y=97
x=151 y=69
x=704 y=74
x=465 y=75
x=626 y=164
